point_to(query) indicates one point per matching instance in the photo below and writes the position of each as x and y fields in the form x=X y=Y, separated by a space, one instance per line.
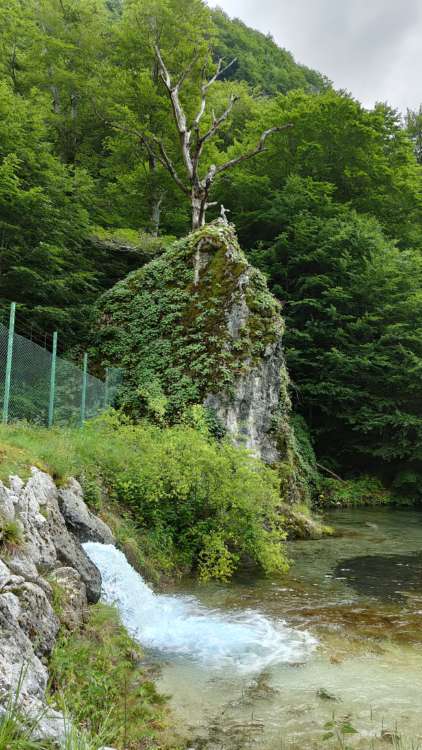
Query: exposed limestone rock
x=70 y=553
x=73 y=607
x=18 y=662
x=7 y=508
x=84 y=525
x=28 y=622
x=302 y=526
x=249 y=412
x=4 y=575
x=47 y=539
x=36 y=617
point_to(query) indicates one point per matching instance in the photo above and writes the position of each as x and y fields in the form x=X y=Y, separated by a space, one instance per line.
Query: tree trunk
x=199 y=207
x=156 y=213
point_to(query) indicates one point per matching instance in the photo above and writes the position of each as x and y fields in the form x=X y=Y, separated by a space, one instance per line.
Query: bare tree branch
x=187 y=71
x=205 y=86
x=131 y=131
x=217 y=121
x=165 y=75
x=167 y=162
x=162 y=156
x=178 y=111
x=219 y=72
x=198 y=188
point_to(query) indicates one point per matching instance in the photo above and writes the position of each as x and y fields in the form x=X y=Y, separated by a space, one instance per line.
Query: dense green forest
x=331 y=211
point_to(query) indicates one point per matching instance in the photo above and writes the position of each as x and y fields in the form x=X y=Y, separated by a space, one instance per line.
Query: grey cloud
x=372 y=48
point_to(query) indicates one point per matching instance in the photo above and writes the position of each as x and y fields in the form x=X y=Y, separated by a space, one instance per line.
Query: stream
x=329 y=655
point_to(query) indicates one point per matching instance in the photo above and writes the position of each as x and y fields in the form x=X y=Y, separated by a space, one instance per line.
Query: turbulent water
x=334 y=645
x=180 y=626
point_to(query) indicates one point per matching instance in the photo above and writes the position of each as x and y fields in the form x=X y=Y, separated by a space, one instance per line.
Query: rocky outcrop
x=249 y=411
x=46 y=580
x=79 y=519
x=198 y=325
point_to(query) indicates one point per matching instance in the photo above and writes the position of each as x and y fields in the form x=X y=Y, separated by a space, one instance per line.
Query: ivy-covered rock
x=198 y=326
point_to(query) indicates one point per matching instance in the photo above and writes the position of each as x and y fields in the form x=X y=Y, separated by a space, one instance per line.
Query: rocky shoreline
x=45 y=559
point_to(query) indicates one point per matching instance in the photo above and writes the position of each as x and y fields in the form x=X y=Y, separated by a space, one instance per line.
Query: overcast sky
x=372 y=48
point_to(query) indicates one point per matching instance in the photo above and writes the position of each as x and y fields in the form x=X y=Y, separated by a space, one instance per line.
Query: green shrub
x=150 y=552
x=365 y=490
x=201 y=504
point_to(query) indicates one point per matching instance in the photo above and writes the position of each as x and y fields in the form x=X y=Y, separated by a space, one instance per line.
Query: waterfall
x=180 y=625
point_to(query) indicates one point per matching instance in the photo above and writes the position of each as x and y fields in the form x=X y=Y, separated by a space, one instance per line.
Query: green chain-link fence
x=39 y=386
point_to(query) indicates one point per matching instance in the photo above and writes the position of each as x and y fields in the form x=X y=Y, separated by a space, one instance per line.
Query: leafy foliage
x=363 y=491
x=171 y=335
x=259 y=60
x=206 y=505
x=352 y=302
x=331 y=211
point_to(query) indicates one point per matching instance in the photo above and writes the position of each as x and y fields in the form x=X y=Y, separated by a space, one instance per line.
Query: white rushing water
x=180 y=626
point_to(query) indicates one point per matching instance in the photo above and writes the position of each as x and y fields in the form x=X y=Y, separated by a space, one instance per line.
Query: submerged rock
x=325 y=695
x=198 y=325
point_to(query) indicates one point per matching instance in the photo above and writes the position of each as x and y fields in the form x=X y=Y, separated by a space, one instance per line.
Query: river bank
x=359 y=595
x=330 y=648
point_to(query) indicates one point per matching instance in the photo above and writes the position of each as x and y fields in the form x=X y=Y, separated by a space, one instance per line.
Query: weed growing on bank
x=99 y=677
x=194 y=503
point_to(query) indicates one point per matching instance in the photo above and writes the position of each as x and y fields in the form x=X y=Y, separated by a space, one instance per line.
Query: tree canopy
x=331 y=209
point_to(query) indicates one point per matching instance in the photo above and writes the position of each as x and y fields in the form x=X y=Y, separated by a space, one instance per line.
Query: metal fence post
x=84 y=382
x=52 y=381
x=8 y=375
x=106 y=388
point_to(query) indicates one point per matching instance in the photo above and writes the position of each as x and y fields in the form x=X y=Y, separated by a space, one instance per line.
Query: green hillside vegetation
x=259 y=60
x=331 y=211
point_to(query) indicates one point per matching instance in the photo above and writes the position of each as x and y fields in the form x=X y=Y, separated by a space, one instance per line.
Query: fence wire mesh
x=31 y=385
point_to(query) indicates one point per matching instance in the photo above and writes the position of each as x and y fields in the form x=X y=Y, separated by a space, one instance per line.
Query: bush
x=362 y=491
x=206 y=504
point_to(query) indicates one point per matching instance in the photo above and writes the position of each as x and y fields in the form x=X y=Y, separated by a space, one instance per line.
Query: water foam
x=181 y=626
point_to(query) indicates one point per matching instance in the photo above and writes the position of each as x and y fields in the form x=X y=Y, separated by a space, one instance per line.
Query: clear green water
x=360 y=595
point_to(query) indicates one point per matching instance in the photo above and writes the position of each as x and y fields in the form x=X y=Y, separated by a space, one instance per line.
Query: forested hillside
x=331 y=211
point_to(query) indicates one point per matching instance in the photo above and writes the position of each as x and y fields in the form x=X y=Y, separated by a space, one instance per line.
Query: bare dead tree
x=192 y=141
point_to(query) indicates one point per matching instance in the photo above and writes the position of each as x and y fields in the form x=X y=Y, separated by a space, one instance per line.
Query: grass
x=18 y=732
x=15 y=732
x=99 y=677
x=11 y=534
x=149 y=553
x=23 y=446
x=67 y=452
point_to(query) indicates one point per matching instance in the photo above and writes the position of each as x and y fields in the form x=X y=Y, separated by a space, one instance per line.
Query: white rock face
x=79 y=519
x=50 y=555
x=247 y=414
x=74 y=604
